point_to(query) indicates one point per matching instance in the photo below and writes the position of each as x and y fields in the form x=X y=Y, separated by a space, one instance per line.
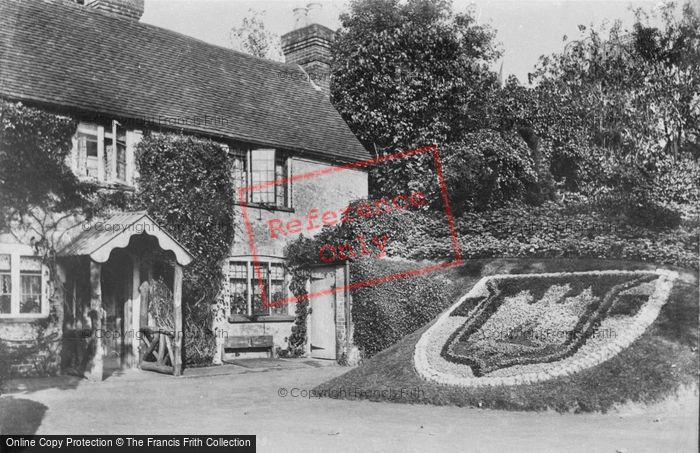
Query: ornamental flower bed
x=513 y=329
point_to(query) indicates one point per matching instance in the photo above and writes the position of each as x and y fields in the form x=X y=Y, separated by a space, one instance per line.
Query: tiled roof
x=98 y=239
x=63 y=54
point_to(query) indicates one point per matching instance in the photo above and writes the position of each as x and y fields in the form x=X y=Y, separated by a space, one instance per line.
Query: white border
x=577 y=362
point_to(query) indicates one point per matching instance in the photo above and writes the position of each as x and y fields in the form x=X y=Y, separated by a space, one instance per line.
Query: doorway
x=116 y=291
x=322 y=338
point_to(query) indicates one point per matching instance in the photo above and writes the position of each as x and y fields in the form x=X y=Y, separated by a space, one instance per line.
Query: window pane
x=4 y=262
x=277 y=289
x=237 y=269
x=277 y=295
x=238 y=290
x=277 y=271
x=91 y=147
x=30 y=263
x=238 y=296
x=87 y=163
x=121 y=153
x=262 y=169
x=121 y=134
x=258 y=308
x=257 y=301
x=281 y=189
x=238 y=171
x=5 y=293
x=30 y=296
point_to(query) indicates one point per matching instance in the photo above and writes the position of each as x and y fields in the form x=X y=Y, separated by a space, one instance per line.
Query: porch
x=122 y=298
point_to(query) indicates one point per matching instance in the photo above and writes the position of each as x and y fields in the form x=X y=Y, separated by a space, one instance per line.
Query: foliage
x=34 y=145
x=41 y=355
x=486 y=169
x=300 y=259
x=577 y=228
x=198 y=342
x=538 y=321
x=483 y=170
x=678 y=183
x=383 y=314
x=654 y=367
x=161 y=305
x=410 y=73
x=251 y=37
x=617 y=103
x=185 y=185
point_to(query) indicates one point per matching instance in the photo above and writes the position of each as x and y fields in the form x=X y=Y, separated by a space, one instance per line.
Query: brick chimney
x=132 y=9
x=309 y=45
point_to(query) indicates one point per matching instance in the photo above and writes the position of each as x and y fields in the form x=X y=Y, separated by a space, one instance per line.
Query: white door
x=322 y=318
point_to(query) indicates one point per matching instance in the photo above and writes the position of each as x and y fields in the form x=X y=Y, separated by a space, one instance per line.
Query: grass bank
x=664 y=358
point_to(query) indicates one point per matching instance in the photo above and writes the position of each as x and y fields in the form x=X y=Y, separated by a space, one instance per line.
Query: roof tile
x=67 y=55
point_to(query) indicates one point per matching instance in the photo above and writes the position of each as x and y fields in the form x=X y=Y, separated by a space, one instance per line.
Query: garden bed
x=513 y=329
x=656 y=365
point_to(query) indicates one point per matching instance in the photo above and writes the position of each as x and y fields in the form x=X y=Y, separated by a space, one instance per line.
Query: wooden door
x=322 y=319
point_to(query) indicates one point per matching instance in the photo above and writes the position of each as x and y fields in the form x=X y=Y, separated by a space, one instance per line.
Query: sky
x=525 y=29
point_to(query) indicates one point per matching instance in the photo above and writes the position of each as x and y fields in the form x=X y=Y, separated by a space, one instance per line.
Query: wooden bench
x=259 y=342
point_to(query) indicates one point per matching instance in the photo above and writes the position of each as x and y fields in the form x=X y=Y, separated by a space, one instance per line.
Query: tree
x=251 y=37
x=670 y=58
x=633 y=94
x=617 y=106
x=411 y=73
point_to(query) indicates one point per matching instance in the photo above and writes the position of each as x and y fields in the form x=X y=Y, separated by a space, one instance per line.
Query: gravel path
x=246 y=400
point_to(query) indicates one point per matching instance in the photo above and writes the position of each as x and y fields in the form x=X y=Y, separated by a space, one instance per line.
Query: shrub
x=185 y=185
x=383 y=314
x=637 y=210
x=483 y=170
x=572 y=230
x=679 y=183
x=34 y=145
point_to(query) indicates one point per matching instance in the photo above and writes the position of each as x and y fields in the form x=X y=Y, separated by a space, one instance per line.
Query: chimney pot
x=132 y=9
x=300 y=15
x=314 y=13
x=309 y=46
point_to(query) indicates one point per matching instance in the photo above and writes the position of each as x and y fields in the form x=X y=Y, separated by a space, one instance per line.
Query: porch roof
x=98 y=239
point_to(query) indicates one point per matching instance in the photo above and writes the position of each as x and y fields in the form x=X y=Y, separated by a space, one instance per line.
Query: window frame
x=107 y=135
x=246 y=156
x=251 y=284
x=16 y=251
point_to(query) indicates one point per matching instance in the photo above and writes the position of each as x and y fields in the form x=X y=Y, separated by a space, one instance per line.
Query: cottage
x=96 y=62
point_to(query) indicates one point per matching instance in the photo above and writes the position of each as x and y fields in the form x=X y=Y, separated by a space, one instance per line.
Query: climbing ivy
x=299 y=262
x=185 y=184
x=34 y=145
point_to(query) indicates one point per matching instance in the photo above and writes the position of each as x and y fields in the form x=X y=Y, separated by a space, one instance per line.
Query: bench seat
x=249 y=342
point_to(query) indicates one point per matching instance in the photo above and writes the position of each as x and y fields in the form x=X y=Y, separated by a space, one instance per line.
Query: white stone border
x=422 y=358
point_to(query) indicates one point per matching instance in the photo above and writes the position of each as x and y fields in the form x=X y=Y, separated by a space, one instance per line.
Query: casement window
x=104 y=152
x=245 y=296
x=22 y=285
x=257 y=166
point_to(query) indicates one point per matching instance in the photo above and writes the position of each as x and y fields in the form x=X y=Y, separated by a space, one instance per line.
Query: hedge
x=383 y=314
x=573 y=230
x=185 y=184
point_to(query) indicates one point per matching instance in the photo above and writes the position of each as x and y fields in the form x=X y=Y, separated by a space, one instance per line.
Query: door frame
x=321 y=273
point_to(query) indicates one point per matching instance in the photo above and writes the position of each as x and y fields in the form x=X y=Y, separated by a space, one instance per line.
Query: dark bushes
x=575 y=230
x=385 y=313
x=185 y=184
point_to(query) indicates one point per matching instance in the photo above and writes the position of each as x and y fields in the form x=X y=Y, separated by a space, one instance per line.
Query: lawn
x=662 y=359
